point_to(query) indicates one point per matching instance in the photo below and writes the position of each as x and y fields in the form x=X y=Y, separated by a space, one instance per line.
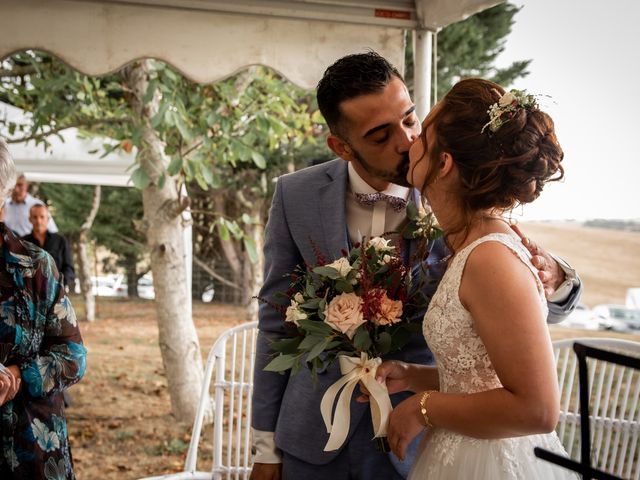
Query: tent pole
x=422 y=58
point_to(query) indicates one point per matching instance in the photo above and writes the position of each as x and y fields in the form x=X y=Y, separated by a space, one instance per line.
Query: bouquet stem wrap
x=354 y=370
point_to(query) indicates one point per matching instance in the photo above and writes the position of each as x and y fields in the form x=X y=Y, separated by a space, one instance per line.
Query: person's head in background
x=371 y=117
x=7 y=172
x=20 y=190
x=471 y=164
x=39 y=218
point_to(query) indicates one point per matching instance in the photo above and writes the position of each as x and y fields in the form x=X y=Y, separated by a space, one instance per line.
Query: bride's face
x=419 y=160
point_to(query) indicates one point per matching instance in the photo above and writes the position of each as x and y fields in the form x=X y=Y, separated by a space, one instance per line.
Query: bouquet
x=353 y=310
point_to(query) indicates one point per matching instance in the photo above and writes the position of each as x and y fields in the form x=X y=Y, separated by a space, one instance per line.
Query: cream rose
x=342 y=265
x=344 y=313
x=390 y=311
x=507 y=99
x=294 y=314
x=380 y=244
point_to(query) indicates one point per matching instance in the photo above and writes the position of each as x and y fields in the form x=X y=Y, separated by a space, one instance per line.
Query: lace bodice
x=462 y=359
x=464 y=367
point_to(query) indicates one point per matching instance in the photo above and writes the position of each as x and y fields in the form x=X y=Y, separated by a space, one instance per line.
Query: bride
x=494 y=395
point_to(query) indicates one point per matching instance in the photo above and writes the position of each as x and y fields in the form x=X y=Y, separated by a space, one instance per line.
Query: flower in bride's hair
x=389 y=311
x=344 y=313
x=507 y=99
x=507 y=106
x=342 y=266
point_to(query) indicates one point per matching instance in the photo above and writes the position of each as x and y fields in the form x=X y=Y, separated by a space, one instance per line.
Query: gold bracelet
x=423 y=406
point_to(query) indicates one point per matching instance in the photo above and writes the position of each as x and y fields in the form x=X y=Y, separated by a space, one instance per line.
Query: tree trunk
x=84 y=278
x=83 y=258
x=254 y=273
x=162 y=207
x=132 y=275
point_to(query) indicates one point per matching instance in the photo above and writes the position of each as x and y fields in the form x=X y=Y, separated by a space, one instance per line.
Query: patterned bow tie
x=369 y=199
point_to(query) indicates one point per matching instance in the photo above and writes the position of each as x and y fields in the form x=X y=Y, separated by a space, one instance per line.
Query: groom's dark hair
x=350 y=77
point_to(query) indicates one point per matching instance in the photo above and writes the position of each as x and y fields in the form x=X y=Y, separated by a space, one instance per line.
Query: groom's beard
x=397 y=176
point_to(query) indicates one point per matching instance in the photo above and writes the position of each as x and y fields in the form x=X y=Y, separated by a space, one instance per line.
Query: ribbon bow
x=369 y=199
x=354 y=370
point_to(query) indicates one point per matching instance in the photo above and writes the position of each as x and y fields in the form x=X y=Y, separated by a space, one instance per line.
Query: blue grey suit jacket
x=308 y=208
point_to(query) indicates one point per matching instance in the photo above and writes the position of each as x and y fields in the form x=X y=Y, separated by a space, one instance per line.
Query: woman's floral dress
x=38 y=333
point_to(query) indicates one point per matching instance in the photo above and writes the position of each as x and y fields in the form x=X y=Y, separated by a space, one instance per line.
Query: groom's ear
x=339 y=147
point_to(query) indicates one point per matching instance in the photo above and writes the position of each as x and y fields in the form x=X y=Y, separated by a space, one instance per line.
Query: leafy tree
x=182 y=132
x=469 y=49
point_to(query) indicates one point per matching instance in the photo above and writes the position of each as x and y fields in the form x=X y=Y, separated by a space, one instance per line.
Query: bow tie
x=369 y=199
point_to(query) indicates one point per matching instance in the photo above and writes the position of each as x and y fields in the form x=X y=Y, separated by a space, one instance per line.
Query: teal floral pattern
x=38 y=333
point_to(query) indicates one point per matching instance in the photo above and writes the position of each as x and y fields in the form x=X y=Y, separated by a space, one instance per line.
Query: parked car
x=106 y=286
x=618 y=318
x=581 y=317
x=145 y=287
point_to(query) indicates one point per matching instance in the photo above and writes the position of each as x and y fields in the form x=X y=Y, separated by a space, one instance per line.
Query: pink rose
x=344 y=313
x=389 y=312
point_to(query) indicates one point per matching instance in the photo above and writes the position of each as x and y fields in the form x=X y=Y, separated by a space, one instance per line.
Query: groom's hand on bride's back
x=266 y=471
x=549 y=270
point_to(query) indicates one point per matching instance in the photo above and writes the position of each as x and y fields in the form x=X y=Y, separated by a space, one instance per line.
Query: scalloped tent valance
x=211 y=39
x=208 y=40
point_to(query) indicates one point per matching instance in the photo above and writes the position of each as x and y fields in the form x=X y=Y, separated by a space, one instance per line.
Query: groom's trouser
x=358 y=460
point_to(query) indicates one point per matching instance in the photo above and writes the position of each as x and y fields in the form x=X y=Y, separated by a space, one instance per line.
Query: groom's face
x=377 y=131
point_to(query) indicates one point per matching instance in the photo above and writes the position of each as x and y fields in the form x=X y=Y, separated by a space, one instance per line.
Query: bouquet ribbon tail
x=354 y=370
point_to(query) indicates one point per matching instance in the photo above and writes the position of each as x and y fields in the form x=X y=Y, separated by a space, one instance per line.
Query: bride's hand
x=392 y=372
x=405 y=423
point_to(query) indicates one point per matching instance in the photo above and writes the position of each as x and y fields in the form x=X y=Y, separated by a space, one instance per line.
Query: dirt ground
x=120 y=422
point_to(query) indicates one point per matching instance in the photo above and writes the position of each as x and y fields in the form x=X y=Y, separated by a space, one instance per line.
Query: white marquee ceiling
x=206 y=40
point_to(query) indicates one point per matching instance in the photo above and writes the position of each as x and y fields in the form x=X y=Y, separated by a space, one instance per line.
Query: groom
x=373 y=123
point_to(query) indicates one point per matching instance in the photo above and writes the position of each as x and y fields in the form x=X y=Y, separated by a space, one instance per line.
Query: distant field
x=608 y=261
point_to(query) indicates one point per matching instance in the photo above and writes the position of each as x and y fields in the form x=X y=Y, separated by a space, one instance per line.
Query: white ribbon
x=355 y=370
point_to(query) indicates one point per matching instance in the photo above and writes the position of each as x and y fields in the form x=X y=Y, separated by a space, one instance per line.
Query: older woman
x=41 y=353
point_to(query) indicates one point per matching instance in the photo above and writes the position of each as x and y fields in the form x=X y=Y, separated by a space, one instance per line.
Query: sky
x=586 y=55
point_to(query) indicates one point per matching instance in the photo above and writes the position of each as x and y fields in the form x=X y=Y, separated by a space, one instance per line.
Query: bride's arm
x=501 y=294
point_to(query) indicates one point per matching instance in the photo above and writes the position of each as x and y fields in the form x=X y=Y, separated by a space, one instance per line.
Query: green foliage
x=469 y=49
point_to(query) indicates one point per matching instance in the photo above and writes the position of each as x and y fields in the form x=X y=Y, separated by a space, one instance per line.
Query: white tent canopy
x=69 y=158
x=208 y=40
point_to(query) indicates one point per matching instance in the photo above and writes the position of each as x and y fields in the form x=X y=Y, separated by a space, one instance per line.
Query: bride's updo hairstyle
x=502 y=163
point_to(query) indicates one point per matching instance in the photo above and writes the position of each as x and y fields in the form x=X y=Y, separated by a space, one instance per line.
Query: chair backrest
x=230 y=364
x=614 y=406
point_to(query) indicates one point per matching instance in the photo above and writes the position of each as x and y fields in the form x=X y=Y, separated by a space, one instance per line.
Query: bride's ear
x=446 y=165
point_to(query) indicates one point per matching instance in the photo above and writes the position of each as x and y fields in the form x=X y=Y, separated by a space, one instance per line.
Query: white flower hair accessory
x=507 y=106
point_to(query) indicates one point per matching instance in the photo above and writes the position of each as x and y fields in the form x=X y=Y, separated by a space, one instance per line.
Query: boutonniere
x=422 y=224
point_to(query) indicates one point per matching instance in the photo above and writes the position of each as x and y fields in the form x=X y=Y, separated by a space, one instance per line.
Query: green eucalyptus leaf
x=362 y=339
x=280 y=364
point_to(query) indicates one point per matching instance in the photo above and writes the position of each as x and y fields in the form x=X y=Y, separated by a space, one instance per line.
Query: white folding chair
x=231 y=360
x=614 y=406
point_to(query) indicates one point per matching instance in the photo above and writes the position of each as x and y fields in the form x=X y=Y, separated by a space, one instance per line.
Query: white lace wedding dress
x=464 y=367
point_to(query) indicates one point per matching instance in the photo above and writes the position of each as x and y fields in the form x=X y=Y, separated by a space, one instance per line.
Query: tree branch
x=95 y=205
x=196 y=260
x=53 y=131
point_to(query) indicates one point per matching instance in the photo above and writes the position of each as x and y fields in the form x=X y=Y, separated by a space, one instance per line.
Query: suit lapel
x=331 y=208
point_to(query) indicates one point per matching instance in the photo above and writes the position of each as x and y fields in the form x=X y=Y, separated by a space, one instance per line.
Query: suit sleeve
x=558 y=311
x=281 y=257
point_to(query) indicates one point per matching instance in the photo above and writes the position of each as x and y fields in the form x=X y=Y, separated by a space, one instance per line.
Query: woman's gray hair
x=7 y=172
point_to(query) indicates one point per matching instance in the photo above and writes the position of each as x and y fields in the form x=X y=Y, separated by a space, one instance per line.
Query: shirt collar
x=358 y=185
